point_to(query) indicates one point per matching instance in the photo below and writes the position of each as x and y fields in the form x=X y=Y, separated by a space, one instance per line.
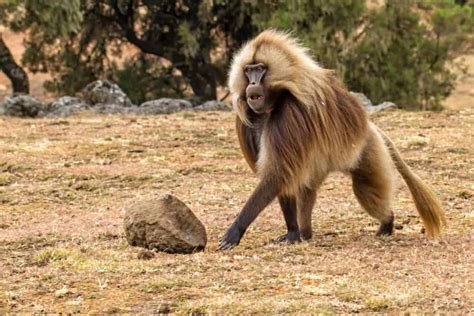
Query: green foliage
x=401 y=51
x=407 y=60
x=327 y=26
x=52 y=27
x=388 y=53
x=145 y=78
x=49 y=19
x=187 y=40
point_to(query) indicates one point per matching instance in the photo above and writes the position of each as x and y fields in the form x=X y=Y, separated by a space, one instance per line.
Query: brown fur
x=316 y=127
x=428 y=205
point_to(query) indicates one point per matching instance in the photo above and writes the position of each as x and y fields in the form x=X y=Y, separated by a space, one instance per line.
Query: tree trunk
x=12 y=70
x=202 y=79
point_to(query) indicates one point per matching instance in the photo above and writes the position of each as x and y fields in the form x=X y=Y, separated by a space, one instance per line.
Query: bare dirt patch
x=64 y=183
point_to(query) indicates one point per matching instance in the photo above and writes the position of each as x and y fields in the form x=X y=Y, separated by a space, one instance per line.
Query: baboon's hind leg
x=373 y=182
x=306 y=200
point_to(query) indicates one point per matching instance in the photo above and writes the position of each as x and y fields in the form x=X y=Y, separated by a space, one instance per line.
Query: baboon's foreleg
x=265 y=192
x=288 y=206
x=306 y=200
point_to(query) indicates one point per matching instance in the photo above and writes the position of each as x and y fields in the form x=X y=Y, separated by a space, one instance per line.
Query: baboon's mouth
x=255 y=97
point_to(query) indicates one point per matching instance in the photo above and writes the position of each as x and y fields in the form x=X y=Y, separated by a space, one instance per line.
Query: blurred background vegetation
x=397 y=50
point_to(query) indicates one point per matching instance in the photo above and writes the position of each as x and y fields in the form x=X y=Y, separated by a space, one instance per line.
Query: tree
x=185 y=33
x=388 y=53
x=48 y=24
x=8 y=66
x=12 y=70
x=408 y=60
x=182 y=47
x=81 y=40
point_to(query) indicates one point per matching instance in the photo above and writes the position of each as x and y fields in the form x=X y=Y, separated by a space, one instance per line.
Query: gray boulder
x=164 y=223
x=371 y=107
x=212 y=106
x=163 y=106
x=362 y=98
x=21 y=105
x=382 y=106
x=105 y=92
x=65 y=106
x=113 y=108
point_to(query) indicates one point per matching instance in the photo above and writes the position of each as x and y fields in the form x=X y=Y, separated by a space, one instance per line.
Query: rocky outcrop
x=105 y=92
x=164 y=223
x=112 y=108
x=163 y=106
x=369 y=106
x=21 y=105
x=212 y=106
x=104 y=97
x=64 y=106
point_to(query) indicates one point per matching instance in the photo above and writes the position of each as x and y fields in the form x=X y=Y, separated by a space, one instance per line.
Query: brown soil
x=64 y=182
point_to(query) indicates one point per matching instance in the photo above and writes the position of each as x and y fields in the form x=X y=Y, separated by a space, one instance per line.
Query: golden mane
x=339 y=117
x=289 y=66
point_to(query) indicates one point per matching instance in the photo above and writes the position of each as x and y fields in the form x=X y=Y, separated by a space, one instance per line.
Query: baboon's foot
x=385 y=229
x=290 y=238
x=306 y=234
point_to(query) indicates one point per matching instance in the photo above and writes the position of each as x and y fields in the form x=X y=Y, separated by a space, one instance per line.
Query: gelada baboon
x=296 y=122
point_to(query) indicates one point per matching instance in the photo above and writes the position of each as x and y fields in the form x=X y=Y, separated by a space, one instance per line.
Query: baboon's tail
x=428 y=205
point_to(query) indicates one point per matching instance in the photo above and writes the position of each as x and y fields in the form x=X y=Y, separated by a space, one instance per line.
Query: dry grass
x=64 y=182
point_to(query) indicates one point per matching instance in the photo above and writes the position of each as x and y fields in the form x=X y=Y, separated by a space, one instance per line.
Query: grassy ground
x=64 y=184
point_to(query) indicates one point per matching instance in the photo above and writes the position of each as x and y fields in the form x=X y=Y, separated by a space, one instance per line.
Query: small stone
x=61 y=292
x=163 y=309
x=398 y=226
x=164 y=223
x=145 y=255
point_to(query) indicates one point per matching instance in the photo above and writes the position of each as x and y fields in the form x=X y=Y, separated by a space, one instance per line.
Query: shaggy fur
x=317 y=127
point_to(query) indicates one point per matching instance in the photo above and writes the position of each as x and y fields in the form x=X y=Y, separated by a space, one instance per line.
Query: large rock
x=105 y=92
x=164 y=223
x=371 y=107
x=113 y=108
x=363 y=98
x=21 y=105
x=65 y=106
x=212 y=106
x=163 y=106
x=382 y=106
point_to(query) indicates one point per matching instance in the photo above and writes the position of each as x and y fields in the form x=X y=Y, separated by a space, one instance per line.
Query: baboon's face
x=257 y=95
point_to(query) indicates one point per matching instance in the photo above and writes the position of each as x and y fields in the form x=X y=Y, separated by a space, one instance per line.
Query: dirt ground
x=64 y=184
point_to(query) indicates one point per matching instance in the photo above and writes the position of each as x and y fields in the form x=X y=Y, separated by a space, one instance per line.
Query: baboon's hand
x=231 y=238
